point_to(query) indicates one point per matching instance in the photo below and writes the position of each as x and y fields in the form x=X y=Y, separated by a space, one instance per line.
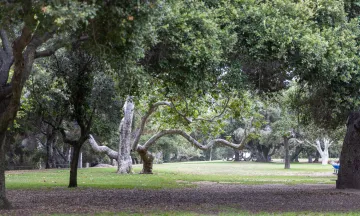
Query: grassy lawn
x=177 y=175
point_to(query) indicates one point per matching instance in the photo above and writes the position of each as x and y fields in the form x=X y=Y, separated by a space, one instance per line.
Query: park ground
x=190 y=188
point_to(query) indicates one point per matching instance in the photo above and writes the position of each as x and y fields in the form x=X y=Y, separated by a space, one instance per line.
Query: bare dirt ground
x=207 y=198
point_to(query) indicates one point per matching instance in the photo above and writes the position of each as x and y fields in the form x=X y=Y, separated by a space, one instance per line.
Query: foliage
x=189 y=57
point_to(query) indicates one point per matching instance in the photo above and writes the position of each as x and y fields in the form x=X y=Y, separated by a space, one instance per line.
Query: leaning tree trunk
x=148 y=160
x=124 y=157
x=349 y=172
x=295 y=155
x=287 y=155
x=74 y=165
x=4 y=203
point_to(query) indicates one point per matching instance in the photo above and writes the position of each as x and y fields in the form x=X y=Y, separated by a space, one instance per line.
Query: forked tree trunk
x=349 y=172
x=287 y=155
x=74 y=165
x=4 y=203
x=148 y=160
x=324 y=153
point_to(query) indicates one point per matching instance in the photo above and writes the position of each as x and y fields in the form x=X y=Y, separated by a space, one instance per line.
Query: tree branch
x=189 y=120
x=60 y=153
x=5 y=42
x=103 y=149
x=51 y=50
x=152 y=109
x=6 y=57
x=157 y=136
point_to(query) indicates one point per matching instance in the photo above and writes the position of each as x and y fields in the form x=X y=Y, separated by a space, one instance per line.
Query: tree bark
x=50 y=141
x=124 y=157
x=324 y=154
x=4 y=203
x=103 y=149
x=74 y=165
x=349 y=172
x=310 y=158
x=317 y=156
x=148 y=160
x=295 y=155
x=287 y=155
x=237 y=155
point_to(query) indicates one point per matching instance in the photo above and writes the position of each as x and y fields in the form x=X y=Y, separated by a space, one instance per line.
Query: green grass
x=177 y=175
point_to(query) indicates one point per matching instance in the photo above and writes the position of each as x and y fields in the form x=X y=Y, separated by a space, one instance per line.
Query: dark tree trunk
x=295 y=155
x=317 y=156
x=310 y=158
x=50 y=141
x=74 y=165
x=4 y=203
x=287 y=156
x=148 y=160
x=349 y=172
x=237 y=155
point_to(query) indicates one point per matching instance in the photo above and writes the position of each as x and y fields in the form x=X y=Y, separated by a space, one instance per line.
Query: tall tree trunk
x=310 y=158
x=295 y=155
x=74 y=165
x=287 y=155
x=237 y=155
x=4 y=203
x=325 y=158
x=148 y=160
x=210 y=156
x=349 y=172
x=124 y=157
x=50 y=140
x=80 y=162
x=317 y=156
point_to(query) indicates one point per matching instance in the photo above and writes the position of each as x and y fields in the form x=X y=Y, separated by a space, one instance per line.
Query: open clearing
x=194 y=187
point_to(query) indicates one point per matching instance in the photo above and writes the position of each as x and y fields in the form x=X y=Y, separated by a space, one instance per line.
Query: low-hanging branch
x=103 y=149
x=114 y=154
x=155 y=106
x=193 y=141
x=152 y=109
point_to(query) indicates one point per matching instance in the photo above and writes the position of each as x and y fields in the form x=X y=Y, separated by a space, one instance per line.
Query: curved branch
x=152 y=109
x=193 y=141
x=189 y=120
x=102 y=149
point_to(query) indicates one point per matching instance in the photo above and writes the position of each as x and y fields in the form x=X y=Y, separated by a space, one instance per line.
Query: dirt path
x=207 y=198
